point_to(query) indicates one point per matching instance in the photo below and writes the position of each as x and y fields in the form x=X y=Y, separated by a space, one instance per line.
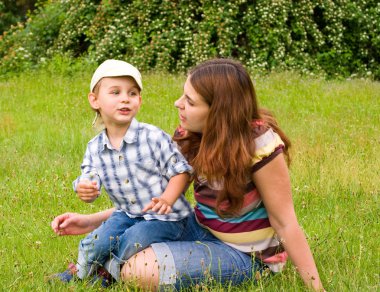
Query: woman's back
x=248 y=230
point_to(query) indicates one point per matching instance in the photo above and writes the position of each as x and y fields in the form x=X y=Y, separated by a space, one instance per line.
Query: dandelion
x=257 y=275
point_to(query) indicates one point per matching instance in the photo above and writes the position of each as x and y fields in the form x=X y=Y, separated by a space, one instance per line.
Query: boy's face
x=118 y=100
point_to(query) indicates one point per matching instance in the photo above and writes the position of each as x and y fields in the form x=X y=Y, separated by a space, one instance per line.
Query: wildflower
x=38 y=244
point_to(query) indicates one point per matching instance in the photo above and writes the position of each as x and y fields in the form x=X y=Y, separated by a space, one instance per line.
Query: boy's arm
x=176 y=186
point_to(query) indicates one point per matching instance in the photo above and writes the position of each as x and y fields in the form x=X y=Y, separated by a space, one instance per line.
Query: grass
x=45 y=123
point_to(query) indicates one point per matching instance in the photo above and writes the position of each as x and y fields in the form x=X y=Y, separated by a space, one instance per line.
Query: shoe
x=67 y=275
x=103 y=276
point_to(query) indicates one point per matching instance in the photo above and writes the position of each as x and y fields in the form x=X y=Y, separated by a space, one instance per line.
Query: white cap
x=115 y=68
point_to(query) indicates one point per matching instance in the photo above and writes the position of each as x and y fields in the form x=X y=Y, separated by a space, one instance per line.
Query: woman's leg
x=140 y=236
x=188 y=263
x=199 y=258
x=142 y=268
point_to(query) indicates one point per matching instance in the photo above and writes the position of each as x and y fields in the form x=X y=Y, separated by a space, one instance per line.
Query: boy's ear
x=93 y=100
x=140 y=100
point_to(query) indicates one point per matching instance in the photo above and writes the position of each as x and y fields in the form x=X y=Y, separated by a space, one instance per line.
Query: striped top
x=251 y=231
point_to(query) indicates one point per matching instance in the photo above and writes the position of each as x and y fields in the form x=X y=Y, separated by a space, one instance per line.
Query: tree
x=12 y=12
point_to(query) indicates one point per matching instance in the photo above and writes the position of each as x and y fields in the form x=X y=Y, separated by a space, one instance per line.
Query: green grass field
x=45 y=124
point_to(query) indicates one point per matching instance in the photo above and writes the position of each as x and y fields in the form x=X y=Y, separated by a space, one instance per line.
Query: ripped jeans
x=120 y=237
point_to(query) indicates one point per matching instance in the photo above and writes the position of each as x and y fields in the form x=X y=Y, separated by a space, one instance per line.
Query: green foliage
x=326 y=37
x=12 y=12
x=74 y=30
x=25 y=45
x=7 y=17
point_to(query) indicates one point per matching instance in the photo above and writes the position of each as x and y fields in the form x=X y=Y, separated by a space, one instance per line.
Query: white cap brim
x=115 y=68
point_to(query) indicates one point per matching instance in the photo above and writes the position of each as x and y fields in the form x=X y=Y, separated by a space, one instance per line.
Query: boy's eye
x=115 y=91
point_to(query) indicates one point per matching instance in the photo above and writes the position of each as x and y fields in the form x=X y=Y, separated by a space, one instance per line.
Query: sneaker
x=103 y=276
x=67 y=275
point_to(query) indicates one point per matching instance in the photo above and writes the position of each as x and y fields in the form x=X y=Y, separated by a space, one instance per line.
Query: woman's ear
x=92 y=99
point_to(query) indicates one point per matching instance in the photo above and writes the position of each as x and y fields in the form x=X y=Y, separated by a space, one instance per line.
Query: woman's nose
x=179 y=102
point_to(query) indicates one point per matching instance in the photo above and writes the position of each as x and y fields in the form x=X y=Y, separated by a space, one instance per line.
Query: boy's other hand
x=87 y=190
x=158 y=205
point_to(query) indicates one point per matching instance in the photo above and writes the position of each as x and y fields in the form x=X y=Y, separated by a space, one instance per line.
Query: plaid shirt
x=139 y=171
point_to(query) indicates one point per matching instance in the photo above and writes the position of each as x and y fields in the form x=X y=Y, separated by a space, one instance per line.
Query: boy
x=140 y=168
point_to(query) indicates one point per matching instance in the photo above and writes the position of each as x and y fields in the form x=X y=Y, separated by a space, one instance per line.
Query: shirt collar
x=132 y=133
x=129 y=137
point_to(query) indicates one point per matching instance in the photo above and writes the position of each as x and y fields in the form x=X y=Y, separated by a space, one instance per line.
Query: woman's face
x=193 y=109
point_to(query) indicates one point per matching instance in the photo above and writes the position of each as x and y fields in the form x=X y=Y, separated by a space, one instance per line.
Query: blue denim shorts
x=199 y=257
x=121 y=237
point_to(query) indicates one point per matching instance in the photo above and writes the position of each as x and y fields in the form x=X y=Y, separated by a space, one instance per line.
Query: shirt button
x=133 y=201
x=121 y=157
x=173 y=159
x=126 y=181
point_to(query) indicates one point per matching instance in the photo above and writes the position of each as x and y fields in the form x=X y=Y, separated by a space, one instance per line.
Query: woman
x=244 y=220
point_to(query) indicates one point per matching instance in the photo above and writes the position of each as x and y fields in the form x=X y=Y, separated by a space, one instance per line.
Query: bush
x=332 y=38
x=25 y=45
x=12 y=12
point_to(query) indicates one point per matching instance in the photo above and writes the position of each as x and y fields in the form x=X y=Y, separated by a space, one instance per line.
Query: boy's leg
x=140 y=236
x=97 y=247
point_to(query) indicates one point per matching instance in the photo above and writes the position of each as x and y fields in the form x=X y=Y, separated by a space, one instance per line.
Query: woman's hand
x=72 y=224
x=273 y=184
x=75 y=224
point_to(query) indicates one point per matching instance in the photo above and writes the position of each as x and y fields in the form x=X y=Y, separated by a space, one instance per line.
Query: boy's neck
x=116 y=135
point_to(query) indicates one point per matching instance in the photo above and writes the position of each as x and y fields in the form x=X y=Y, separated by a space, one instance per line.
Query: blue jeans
x=201 y=257
x=120 y=237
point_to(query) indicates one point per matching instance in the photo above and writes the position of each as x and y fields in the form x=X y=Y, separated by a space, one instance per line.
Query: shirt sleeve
x=88 y=170
x=268 y=146
x=172 y=162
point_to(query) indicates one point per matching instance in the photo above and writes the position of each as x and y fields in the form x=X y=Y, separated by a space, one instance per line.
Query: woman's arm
x=273 y=184
x=75 y=224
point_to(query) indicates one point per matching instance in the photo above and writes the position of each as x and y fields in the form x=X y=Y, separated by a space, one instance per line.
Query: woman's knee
x=142 y=268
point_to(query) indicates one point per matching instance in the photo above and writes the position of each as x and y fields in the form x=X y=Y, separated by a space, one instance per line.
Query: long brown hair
x=224 y=150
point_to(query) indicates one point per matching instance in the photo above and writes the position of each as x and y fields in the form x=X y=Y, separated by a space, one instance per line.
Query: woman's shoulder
x=267 y=141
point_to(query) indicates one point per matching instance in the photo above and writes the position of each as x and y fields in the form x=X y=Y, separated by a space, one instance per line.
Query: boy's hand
x=87 y=190
x=158 y=205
